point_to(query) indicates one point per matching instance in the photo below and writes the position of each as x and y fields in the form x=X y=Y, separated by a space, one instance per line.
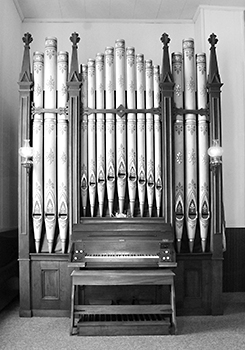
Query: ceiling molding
x=220 y=8
x=106 y=20
x=18 y=8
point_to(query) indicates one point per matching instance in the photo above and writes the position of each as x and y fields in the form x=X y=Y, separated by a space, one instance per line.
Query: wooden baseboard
x=234 y=260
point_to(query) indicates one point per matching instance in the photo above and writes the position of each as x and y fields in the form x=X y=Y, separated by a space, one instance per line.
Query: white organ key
x=122 y=256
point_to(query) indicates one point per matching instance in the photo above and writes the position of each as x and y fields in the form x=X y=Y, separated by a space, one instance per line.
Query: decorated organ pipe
x=157 y=141
x=92 y=175
x=84 y=140
x=203 y=144
x=121 y=169
x=100 y=131
x=62 y=148
x=141 y=139
x=110 y=128
x=150 y=164
x=178 y=130
x=190 y=141
x=131 y=128
x=50 y=155
x=37 y=136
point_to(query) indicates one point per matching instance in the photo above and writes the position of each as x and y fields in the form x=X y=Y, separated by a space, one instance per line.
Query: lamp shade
x=216 y=150
x=26 y=151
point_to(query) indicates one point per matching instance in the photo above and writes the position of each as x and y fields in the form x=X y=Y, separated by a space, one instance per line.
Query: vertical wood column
x=217 y=219
x=167 y=89
x=74 y=92
x=24 y=222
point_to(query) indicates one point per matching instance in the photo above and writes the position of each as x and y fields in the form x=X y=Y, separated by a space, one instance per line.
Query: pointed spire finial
x=213 y=40
x=27 y=39
x=74 y=39
x=165 y=39
x=213 y=76
x=25 y=74
x=74 y=73
x=166 y=75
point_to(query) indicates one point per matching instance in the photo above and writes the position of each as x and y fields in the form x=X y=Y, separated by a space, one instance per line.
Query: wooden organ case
x=121 y=181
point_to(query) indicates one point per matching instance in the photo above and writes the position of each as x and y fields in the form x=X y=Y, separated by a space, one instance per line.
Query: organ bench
x=123 y=319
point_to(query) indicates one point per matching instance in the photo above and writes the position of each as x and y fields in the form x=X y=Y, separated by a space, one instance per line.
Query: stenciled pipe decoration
x=110 y=128
x=157 y=141
x=131 y=128
x=179 y=161
x=150 y=163
x=92 y=175
x=84 y=140
x=203 y=142
x=100 y=131
x=121 y=167
x=37 y=137
x=50 y=155
x=141 y=139
x=62 y=148
x=190 y=142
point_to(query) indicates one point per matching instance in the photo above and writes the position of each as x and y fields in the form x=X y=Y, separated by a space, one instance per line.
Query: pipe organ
x=120 y=140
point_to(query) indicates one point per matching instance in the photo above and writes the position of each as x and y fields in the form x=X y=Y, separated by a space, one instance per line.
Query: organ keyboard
x=124 y=243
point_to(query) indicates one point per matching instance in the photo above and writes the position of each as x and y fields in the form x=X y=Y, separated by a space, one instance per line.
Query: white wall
x=228 y=25
x=10 y=53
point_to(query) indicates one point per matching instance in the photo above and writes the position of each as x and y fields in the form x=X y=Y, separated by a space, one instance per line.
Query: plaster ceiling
x=131 y=10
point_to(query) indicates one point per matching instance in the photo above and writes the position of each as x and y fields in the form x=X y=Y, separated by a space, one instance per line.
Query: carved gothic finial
x=166 y=75
x=213 y=40
x=27 y=39
x=213 y=76
x=74 y=39
x=74 y=75
x=165 y=39
x=25 y=74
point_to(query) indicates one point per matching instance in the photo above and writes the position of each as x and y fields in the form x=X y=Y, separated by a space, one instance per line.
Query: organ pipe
x=62 y=149
x=50 y=155
x=190 y=141
x=37 y=135
x=179 y=160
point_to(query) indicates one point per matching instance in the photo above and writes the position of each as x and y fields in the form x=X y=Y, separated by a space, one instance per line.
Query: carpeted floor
x=194 y=332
